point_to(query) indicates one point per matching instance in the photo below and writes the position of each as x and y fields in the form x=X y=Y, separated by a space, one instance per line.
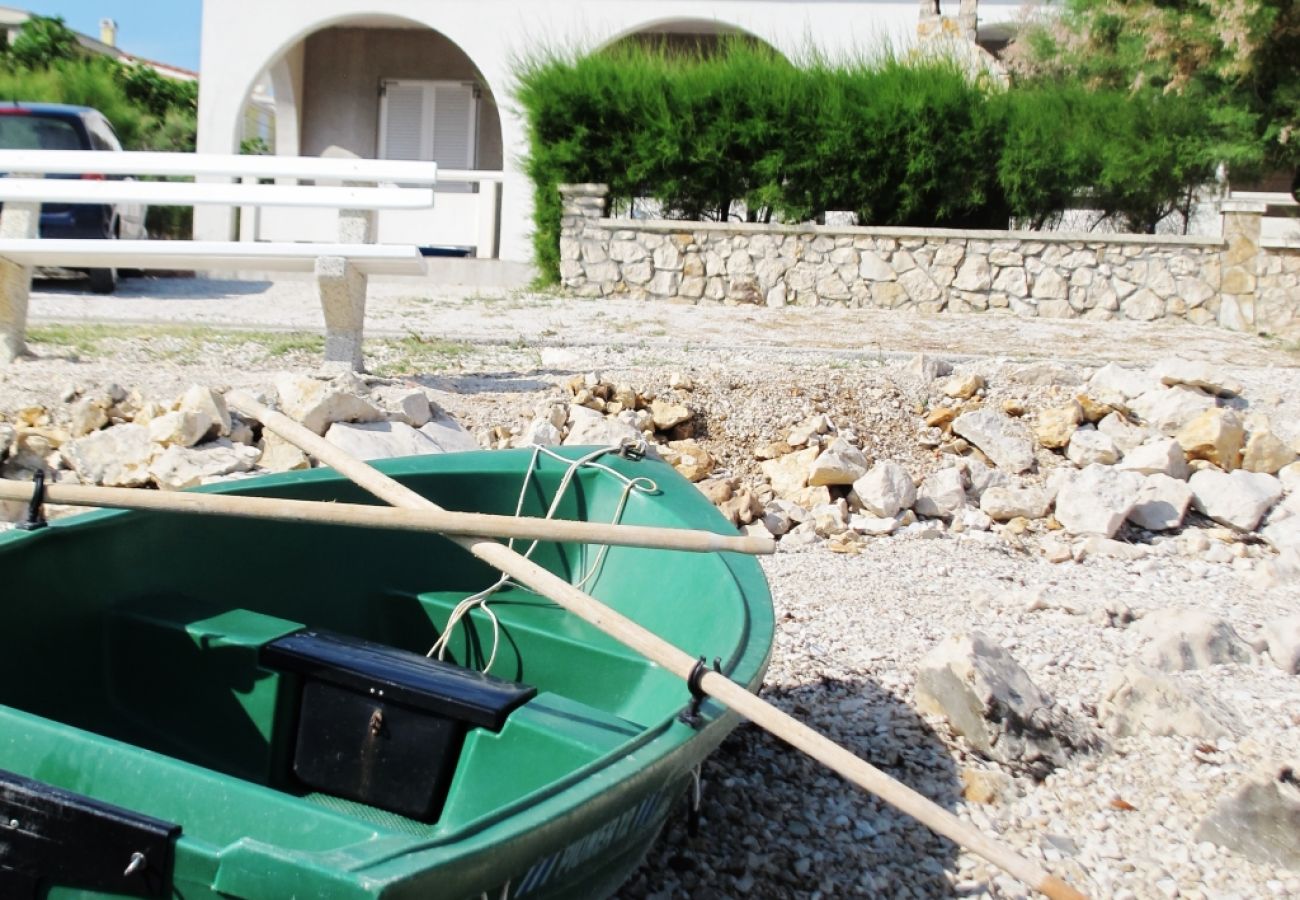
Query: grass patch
x=416 y=354
x=172 y=342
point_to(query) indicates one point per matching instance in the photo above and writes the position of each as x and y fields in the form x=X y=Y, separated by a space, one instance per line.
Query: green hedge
x=898 y=143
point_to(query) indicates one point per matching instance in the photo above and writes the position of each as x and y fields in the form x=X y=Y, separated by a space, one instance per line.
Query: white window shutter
x=403 y=130
x=454 y=126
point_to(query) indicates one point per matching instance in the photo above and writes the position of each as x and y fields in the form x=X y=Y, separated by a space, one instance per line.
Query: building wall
x=343 y=68
x=496 y=33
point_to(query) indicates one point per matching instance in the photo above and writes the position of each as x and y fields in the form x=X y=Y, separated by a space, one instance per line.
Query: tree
x=1238 y=59
x=42 y=41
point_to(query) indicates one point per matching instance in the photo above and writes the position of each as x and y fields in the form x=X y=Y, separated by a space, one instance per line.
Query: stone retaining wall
x=1231 y=281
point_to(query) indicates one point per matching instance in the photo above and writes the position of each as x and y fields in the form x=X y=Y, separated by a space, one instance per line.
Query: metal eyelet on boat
x=35 y=518
x=691 y=715
x=634 y=450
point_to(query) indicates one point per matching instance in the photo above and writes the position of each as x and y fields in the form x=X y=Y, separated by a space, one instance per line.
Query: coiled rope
x=480 y=599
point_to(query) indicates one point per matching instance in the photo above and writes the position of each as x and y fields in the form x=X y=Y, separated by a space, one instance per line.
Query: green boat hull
x=133 y=673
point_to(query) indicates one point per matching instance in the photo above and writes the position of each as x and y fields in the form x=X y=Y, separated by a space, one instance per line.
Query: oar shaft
x=387 y=517
x=675 y=660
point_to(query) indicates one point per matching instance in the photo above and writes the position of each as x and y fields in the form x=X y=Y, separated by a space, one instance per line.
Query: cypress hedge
x=744 y=133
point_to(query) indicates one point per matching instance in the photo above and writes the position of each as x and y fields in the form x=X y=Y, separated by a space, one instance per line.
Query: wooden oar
x=356 y=514
x=681 y=664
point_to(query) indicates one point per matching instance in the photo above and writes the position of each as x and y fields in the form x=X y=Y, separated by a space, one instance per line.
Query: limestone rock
x=1124 y=433
x=885 y=490
x=8 y=434
x=1003 y=504
x=980 y=477
x=1161 y=457
x=1161 y=503
x=963 y=387
x=1261 y=820
x=380 y=440
x=408 y=405
x=1115 y=385
x=1056 y=425
x=1140 y=702
x=319 y=404
x=115 y=457
x=210 y=407
x=667 y=415
x=789 y=474
x=876 y=526
x=1185 y=639
x=1197 y=374
x=88 y=414
x=178 y=468
x=1168 y=410
x=1097 y=500
x=1282 y=528
x=448 y=434
x=830 y=519
x=278 y=455
x=941 y=494
x=1216 y=436
x=1089 y=446
x=1238 y=499
x=1288 y=475
x=839 y=463
x=743 y=508
x=1283 y=641
x=542 y=433
x=598 y=431
x=1266 y=453
x=927 y=368
x=690 y=459
x=1093 y=410
x=1002 y=439
x=986 y=697
x=178 y=428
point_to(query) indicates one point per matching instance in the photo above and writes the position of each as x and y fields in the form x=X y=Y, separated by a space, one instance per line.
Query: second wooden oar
x=675 y=660
x=359 y=515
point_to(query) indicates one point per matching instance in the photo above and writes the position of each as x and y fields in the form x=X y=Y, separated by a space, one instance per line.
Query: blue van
x=55 y=126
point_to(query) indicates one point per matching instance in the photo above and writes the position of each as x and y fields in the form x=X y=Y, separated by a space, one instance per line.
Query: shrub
x=907 y=143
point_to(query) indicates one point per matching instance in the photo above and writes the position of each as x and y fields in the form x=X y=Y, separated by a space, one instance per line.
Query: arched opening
x=686 y=37
x=384 y=87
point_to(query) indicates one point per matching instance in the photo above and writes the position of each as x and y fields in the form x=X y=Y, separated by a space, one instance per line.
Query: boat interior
x=292 y=656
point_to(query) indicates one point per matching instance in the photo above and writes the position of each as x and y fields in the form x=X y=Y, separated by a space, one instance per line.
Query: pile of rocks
x=599 y=412
x=1126 y=450
x=115 y=437
x=982 y=694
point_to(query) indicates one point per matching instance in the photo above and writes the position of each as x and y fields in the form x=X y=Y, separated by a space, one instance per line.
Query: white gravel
x=851 y=626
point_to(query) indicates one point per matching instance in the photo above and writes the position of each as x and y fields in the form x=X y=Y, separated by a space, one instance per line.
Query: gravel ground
x=851 y=626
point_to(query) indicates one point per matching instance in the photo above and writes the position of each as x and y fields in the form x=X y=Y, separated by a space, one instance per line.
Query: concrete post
x=19 y=220
x=1239 y=263
x=584 y=206
x=342 y=290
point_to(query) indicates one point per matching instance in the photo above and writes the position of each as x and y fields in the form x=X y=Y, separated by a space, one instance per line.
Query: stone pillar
x=19 y=220
x=584 y=206
x=342 y=290
x=968 y=19
x=1239 y=263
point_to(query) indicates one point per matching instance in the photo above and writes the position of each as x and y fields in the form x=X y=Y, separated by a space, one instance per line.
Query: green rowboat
x=198 y=707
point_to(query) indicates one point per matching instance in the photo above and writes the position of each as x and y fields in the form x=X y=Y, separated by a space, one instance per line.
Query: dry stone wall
x=1140 y=277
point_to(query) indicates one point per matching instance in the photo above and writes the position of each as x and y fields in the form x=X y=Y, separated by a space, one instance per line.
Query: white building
x=418 y=79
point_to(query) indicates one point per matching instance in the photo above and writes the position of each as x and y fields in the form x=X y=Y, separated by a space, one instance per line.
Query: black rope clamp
x=633 y=449
x=691 y=715
x=35 y=517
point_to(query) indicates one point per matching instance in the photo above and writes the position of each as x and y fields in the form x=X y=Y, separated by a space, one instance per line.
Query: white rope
x=480 y=599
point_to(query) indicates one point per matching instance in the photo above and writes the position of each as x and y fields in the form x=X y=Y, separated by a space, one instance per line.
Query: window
x=430 y=120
